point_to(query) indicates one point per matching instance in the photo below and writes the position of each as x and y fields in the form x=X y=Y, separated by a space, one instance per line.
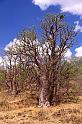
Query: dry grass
x=68 y=114
x=15 y=111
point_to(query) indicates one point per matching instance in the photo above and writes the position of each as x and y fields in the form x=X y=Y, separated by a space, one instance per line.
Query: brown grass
x=19 y=110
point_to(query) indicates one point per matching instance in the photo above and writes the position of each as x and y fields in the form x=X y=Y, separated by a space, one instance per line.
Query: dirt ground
x=61 y=114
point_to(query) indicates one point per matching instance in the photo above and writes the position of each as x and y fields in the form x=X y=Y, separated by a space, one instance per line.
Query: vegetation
x=39 y=65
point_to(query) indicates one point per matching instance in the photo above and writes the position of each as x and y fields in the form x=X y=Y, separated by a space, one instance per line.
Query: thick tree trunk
x=14 y=90
x=44 y=92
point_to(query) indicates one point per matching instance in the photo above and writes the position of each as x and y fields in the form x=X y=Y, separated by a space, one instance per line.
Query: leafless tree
x=42 y=60
x=45 y=57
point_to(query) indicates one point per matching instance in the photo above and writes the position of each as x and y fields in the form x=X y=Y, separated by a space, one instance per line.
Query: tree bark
x=44 y=92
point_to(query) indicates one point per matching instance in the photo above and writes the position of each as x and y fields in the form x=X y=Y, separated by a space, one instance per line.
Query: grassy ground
x=13 y=112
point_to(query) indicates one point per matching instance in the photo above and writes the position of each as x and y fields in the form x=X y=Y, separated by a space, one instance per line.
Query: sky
x=16 y=15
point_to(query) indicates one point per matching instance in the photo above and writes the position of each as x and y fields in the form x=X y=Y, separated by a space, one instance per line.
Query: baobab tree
x=59 y=36
x=45 y=57
x=42 y=59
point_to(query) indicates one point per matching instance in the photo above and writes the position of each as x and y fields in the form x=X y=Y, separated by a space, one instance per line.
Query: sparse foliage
x=41 y=63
